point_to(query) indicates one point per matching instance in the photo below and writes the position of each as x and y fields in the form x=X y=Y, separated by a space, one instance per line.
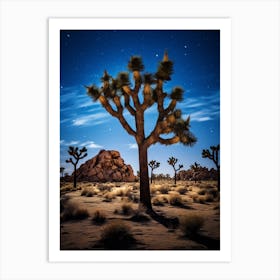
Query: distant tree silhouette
x=172 y=161
x=214 y=156
x=62 y=171
x=195 y=169
x=116 y=95
x=76 y=154
x=153 y=164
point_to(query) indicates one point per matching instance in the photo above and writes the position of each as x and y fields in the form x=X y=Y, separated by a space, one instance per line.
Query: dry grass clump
x=89 y=192
x=103 y=187
x=159 y=200
x=98 y=218
x=190 y=224
x=164 y=189
x=69 y=188
x=175 y=200
x=181 y=189
x=73 y=211
x=202 y=192
x=126 y=208
x=117 y=236
x=109 y=196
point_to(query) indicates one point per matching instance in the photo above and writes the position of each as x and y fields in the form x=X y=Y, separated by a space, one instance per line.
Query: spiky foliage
x=153 y=164
x=172 y=161
x=125 y=96
x=195 y=168
x=213 y=154
x=76 y=155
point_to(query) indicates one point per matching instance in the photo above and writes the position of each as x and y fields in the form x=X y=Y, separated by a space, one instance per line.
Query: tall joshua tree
x=118 y=94
x=76 y=154
x=172 y=161
x=213 y=154
x=62 y=171
x=194 y=168
x=153 y=164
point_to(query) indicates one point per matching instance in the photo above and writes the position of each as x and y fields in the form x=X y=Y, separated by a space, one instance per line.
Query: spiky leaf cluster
x=177 y=93
x=77 y=154
x=172 y=161
x=165 y=70
x=135 y=64
x=154 y=164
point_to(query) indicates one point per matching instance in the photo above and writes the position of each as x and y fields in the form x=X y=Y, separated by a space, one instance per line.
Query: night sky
x=85 y=54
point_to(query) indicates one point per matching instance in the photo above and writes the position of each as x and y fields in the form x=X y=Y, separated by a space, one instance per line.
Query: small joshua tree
x=153 y=164
x=76 y=154
x=62 y=171
x=172 y=161
x=195 y=168
x=214 y=156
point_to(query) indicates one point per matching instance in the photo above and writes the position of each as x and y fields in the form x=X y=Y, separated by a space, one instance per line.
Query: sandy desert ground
x=105 y=216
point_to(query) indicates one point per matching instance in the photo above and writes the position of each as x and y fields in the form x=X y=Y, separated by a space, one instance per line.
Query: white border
x=55 y=25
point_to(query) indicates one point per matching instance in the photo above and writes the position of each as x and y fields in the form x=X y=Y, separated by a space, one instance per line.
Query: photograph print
x=140 y=139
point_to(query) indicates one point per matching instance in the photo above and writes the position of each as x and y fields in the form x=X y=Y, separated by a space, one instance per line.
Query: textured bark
x=145 y=197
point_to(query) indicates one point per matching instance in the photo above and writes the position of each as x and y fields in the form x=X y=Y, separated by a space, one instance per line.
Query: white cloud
x=132 y=146
x=91 y=145
x=92 y=119
x=71 y=143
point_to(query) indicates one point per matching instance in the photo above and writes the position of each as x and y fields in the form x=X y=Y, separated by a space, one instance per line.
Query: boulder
x=108 y=166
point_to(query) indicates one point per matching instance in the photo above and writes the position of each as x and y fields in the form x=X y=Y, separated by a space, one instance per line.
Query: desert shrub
x=98 y=217
x=159 y=200
x=164 y=189
x=127 y=208
x=103 y=187
x=202 y=192
x=72 y=211
x=181 y=190
x=190 y=224
x=117 y=236
x=110 y=195
x=84 y=192
x=89 y=194
x=175 y=200
x=213 y=192
x=209 y=198
x=190 y=189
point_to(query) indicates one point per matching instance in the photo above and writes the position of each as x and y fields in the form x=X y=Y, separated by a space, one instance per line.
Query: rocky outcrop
x=107 y=166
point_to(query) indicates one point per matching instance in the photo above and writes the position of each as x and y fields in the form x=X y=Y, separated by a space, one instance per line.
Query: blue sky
x=85 y=54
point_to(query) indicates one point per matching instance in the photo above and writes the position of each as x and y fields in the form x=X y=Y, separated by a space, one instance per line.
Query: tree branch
x=175 y=139
x=127 y=104
x=117 y=114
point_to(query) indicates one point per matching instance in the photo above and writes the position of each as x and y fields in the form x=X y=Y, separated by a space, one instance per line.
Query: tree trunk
x=145 y=197
x=151 y=177
x=175 y=178
x=75 y=177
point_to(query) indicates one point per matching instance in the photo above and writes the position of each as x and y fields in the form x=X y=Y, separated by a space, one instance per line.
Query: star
x=185 y=46
x=185 y=54
x=156 y=55
x=68 y=35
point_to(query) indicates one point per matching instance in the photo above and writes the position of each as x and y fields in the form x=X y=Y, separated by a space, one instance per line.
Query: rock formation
x=107 y=166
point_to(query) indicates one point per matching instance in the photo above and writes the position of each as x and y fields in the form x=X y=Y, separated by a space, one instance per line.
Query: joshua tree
x=172 y=161
x=62 y=170
x=153 y=164
x=195 y=168
x=117 y=94
x=214 y=156
x=76 y=154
